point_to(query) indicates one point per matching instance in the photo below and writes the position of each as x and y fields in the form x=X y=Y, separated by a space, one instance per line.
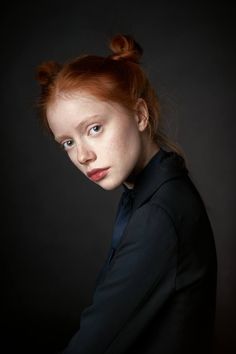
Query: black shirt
x=157 y=293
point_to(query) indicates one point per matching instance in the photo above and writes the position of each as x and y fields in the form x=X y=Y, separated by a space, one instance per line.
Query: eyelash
x=63 y=145
x=95 y=126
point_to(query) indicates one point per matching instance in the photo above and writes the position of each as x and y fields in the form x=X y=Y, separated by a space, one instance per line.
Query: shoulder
x=180 y=199
x=175 y=218
x=176 y=205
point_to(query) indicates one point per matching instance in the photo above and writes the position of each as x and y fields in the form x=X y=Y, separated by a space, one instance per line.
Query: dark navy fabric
x=124 y=212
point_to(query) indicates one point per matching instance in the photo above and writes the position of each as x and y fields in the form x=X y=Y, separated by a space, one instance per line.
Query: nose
x=85 y=154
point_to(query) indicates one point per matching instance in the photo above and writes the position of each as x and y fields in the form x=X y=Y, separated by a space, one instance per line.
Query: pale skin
x=104 y=135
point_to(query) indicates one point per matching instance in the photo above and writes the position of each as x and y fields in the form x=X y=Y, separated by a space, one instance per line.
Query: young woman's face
x=102 y=139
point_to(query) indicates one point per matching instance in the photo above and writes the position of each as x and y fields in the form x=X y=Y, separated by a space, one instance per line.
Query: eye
x=66 y=145
x=95 y=129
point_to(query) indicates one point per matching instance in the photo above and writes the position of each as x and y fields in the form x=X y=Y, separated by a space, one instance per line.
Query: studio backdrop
x=56 y=224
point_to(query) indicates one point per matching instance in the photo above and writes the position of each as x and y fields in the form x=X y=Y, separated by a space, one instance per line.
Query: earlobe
x=142 y=114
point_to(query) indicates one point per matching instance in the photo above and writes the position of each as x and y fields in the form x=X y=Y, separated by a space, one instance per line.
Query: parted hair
x=117 y=77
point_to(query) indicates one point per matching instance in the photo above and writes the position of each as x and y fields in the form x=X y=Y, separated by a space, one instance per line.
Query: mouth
x=97 y=174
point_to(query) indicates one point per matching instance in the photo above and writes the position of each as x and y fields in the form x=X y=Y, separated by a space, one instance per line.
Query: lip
x=97 y=174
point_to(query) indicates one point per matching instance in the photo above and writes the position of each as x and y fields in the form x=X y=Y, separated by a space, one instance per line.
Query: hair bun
x=46 y=71
x=125 y=47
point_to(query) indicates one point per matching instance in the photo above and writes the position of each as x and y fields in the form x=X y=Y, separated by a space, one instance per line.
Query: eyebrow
x=80 y=126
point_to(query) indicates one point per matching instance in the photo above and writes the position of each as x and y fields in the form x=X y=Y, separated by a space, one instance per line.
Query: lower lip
x=99 y=175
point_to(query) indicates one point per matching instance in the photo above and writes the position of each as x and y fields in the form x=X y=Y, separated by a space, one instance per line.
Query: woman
x=156 y=290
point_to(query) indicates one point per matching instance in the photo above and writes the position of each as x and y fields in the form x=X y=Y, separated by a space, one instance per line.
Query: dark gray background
x=57 y=224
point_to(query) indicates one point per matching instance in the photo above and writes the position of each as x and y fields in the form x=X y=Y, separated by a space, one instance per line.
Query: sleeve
x=145 y=262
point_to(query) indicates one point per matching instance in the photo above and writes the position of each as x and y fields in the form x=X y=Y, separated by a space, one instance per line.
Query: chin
x=109 y=185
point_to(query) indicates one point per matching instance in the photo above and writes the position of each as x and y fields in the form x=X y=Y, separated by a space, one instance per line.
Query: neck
x=149 y=152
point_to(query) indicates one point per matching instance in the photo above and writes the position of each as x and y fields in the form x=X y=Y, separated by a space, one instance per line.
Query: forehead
x=72 y=110
x=76 y=103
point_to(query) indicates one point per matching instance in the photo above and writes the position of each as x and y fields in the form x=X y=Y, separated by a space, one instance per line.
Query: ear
x=142 y=114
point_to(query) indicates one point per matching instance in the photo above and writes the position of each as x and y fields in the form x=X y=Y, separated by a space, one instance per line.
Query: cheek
x=124 y=144
x=128 y=138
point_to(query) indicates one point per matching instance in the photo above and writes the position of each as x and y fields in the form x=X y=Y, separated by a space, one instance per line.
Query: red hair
x=117 y=77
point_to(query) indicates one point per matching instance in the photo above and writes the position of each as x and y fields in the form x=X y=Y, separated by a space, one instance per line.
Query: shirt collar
x=162 y=167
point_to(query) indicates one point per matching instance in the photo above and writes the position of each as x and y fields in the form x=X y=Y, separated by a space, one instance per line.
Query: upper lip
x=95 y=170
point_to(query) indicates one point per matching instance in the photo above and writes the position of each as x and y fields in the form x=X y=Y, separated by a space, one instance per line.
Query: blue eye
x=95 y=129
x=66 y=145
